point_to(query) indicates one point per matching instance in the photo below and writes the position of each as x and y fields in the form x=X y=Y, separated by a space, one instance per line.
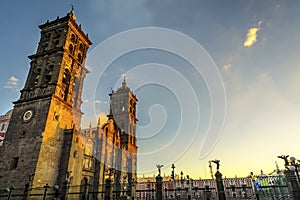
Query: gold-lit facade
x=44 y=143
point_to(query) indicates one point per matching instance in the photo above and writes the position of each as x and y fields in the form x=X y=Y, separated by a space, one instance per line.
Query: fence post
x=65 y=190
x=159 y=192
x=107 y=189
x=207 y=192
x=26 y=189
x=9 y=190
x=45 y=192
x=220 y=186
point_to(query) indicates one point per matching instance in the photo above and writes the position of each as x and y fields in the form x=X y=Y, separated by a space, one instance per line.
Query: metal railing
x=235 y=188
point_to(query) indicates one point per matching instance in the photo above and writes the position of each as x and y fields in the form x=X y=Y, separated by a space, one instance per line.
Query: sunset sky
x=253 y=47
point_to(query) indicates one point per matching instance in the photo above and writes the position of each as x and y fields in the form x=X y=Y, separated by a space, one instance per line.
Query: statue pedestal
x=220 y=186
x=159 y=191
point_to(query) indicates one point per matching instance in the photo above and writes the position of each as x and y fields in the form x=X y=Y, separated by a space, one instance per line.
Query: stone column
x=159 y=191
x=220 y=186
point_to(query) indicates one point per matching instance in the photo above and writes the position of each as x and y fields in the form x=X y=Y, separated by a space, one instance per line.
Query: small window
x=80 y=47
x=37 y=70
x=66 y=77
x=36 y=79
x=45 y=45
x=14 y=163
x=3 y=126
x=49 y=74
x=73 y=38
x=79 y=57
x=71 y=49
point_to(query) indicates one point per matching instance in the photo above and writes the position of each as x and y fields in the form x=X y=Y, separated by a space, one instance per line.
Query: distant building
x=181 y=188
x=4 y=121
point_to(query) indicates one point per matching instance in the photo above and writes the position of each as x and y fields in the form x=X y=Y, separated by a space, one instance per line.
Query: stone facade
x=115 y=150
x=44 y=143
x=48 y=106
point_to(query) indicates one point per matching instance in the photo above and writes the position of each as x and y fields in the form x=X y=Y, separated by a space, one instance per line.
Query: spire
x=99 y=122
x=124 y=83
x=72 y=13
x=110 y=115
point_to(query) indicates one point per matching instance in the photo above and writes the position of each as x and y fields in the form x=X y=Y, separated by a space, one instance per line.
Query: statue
x=286 y=162
x=158 y=167
x=217 y=162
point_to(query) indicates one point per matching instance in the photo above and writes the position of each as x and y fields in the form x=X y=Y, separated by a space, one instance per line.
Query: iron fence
x=236 y=188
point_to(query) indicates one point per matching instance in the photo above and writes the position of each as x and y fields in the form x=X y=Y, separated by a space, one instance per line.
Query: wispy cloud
x=227 y=67
x=99 y=101
x=12 y=83
x=252 y=35
x=86 y=101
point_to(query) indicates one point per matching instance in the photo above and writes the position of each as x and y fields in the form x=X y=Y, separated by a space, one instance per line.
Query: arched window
x=37 y=70
x=36 y=75
x=81 y=47
x=73 y=38
x=79 y=57
x=36 y=79
x=67 y=76
x=49 y=73
x=71 y=49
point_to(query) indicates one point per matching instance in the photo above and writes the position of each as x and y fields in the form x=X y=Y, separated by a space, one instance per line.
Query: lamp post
x=173 y=177
x=173 y=173
x=187 y=188
x=292 y=179
x=56 y=188
x=181 y=177
x=9 y=190
x=296 y=165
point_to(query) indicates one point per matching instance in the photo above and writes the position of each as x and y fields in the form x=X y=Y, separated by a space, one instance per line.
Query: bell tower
x=123 y=109
x=50 y=103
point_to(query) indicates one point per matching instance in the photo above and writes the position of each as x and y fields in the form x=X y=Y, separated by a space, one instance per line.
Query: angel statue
x=217 y=162
x=286 y=162
x=158 y=167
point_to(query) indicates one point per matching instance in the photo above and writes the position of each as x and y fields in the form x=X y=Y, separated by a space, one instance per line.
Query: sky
x=220 y=80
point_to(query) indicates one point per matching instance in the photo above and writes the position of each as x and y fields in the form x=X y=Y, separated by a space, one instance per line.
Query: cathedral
x=44 y=142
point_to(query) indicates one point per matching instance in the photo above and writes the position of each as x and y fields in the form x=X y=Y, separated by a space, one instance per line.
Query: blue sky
x=260 y=76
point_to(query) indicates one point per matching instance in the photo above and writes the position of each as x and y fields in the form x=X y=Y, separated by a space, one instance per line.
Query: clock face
x=27 y=115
